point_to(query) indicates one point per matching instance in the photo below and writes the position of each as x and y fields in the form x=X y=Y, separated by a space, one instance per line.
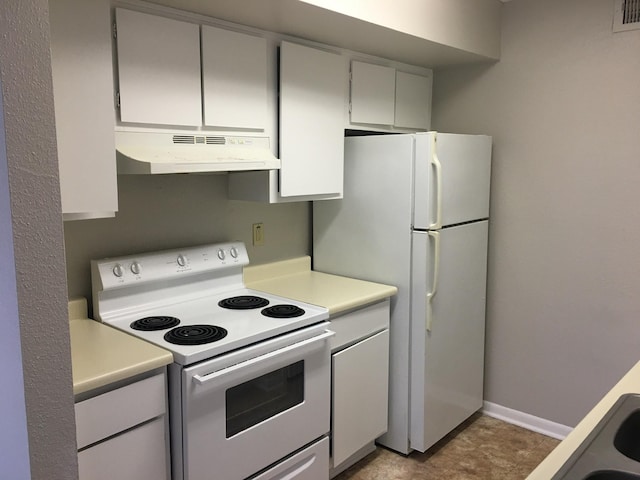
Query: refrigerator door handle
x=438 y=184
x=436 y=274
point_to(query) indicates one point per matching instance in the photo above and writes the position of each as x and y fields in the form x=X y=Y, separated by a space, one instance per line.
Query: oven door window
x=263 y=397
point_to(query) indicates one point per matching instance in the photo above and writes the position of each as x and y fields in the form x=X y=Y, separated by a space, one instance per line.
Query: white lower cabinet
x=138 y=454
x=360 y=376
x=123 y=433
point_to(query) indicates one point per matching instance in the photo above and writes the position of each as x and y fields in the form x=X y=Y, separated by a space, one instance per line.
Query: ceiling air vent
x=626 y=15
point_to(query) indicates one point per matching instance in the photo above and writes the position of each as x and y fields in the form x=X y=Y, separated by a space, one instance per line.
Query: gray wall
x=563 y=105
x=36 y=237
x=167 y=211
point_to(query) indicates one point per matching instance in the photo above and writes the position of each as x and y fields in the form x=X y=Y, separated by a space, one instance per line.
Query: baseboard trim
x=525 y=420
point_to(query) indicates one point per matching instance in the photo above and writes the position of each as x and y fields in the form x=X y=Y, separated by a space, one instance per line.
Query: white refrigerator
x=415 y=214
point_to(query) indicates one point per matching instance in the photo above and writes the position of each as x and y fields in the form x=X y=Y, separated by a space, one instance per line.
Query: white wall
x=38 y=255
x=168 y=211
x=563 y=105
x=469 y=26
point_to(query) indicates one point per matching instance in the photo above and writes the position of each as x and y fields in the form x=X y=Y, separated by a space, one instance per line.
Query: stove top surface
x=198 y=329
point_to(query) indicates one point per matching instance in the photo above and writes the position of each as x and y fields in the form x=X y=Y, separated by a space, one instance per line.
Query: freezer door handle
x=436 y=275
x=438 y=185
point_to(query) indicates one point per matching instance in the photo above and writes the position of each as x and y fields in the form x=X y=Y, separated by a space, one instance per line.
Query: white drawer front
x=359 y=324
x=312 y=463
x=112 y=412
x=139 y=454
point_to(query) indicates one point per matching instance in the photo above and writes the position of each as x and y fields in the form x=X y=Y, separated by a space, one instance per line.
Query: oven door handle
x=303 y=346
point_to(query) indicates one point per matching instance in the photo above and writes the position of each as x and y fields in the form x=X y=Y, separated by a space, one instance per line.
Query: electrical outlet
x=258 y=234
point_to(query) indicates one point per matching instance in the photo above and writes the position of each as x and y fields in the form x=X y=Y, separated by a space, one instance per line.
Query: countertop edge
x=629 y=383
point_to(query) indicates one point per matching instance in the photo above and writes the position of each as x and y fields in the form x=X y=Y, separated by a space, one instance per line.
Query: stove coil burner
x=243 y=302
x=195 y=334
x=149 y=324
x=283 y=311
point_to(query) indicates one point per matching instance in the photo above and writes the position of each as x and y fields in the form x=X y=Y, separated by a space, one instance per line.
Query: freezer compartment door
x=452 y=179
x=447 y=330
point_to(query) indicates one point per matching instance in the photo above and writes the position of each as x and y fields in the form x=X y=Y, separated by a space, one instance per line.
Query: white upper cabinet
x=234 y=69
x=84 y=107
x=389 y=99
x=413 y=101
x=373 y=90
x=312 y=96
x=158 y=69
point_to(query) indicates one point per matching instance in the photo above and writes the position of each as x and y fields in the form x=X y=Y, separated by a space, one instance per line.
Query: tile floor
x=482 y=448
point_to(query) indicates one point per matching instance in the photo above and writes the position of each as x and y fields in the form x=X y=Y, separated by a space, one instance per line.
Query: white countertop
x=101 y=355
x=294 y=279
x=630 y=383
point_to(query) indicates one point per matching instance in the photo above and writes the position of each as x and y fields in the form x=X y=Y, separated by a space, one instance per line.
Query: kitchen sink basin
x=612 y=450
x=612 y=475
x=627 y=439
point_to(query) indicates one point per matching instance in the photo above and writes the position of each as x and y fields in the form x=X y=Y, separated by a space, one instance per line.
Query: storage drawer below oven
x=312 y=463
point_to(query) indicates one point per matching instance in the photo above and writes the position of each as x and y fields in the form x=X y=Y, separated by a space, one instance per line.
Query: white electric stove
x=251 y=370
x=193 y=301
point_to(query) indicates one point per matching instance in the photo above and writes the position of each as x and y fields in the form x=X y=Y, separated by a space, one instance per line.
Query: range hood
x=163 y=153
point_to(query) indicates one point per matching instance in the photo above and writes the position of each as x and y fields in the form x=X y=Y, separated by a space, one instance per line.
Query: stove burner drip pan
x=150 y=324
x=283 y=311
x=243 y=302
x=195 y=334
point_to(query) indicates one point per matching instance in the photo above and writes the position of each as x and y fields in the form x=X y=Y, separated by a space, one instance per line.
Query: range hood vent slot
x=198 y=139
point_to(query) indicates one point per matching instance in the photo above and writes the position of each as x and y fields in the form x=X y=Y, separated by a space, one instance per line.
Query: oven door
x=247 y=409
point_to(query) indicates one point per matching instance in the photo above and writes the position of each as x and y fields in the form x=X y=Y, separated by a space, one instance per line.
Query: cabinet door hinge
x=117 y=99
x=115 y=30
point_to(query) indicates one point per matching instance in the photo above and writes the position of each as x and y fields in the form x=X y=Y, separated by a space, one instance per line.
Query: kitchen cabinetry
x=234 y=73
x=84 y=108
x=160 y=65
x=158 y=69
x=384 y=96
x=311 y=132
x=311 y=120
x=360 y=376
x=123 y=434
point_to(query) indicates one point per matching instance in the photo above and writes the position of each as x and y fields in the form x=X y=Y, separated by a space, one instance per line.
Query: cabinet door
x=234 y=69
x=360 y=395
x=138 y=454
x=312 y=85
x=83 y=92
x=373 y=90
x=158 y=69
x=413 y=101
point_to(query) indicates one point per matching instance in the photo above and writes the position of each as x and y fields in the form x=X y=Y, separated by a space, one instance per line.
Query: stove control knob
x=234 y=252
x=135 y=268
x=221 y=254
x=182 y=260
x=118 y=271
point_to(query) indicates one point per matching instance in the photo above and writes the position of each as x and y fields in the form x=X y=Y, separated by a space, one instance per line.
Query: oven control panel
x=227 y=258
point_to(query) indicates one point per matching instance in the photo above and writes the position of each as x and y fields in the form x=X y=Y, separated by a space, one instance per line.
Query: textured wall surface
x=563 y=106
x=25 y=72
x=170 y=211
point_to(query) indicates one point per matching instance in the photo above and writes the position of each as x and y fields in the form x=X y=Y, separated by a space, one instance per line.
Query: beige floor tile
x=482 y=448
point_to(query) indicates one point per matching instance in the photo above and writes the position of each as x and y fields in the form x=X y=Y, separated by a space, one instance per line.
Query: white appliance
x=152 y=152
x=415 y=215
x=249 y=389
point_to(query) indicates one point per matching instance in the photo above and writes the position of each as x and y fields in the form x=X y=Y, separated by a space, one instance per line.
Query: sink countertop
x=294 y=279
x=630 y=383
x=101 y=355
